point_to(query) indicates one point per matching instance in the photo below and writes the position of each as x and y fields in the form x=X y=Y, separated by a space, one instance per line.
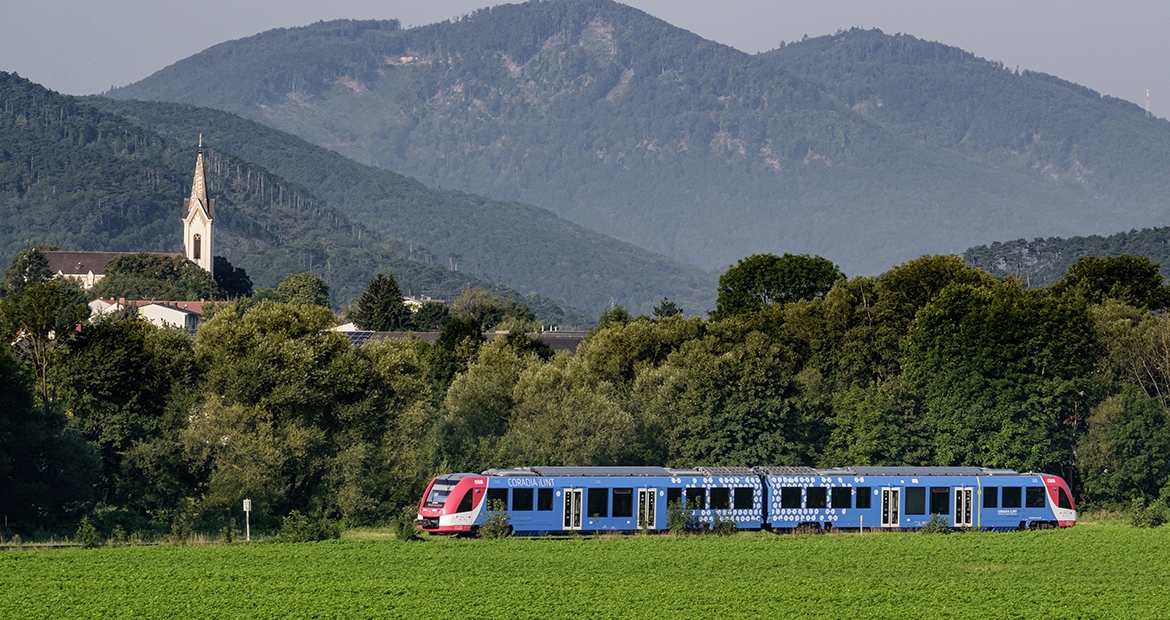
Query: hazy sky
x=1120 y=48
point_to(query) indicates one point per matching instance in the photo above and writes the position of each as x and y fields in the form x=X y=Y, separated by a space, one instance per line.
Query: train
x=544 y=501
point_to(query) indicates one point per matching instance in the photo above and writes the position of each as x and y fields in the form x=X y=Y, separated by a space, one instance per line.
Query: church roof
x=81 y=263
x=199 y=189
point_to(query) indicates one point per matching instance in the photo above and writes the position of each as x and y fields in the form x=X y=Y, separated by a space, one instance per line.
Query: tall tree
x=762 y=280
x=300 y=289
x=27 y=267
x=1135 y=280
x=380 y=307
x=233 y=282
x=42 y=315
x=151 y=276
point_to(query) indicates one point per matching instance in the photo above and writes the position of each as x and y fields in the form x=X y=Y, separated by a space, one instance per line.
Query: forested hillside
x=630 y=126
x=81 y=179
x=1041 y=262
x=524 y=247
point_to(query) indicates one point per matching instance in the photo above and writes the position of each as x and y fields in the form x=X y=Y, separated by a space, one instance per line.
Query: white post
x=247 y=520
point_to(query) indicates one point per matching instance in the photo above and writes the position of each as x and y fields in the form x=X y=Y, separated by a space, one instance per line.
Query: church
x=87 y=268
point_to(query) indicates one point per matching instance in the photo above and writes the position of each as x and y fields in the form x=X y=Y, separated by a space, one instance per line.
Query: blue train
x=542 y=501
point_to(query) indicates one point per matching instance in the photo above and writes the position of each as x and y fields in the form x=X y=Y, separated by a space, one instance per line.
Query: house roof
x=193 y=307
x=80 y=263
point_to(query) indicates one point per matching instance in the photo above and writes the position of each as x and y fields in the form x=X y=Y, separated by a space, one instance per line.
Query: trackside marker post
x=247 y=520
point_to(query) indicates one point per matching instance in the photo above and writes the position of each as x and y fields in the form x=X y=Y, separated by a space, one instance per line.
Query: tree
x=380 y=307
x=233 y=282
x=431 y=315
x=1005 y=375
x=1132 y=279
x=28 y=267
x=153 y=276
x=666 y=309
x=762 y=280
x=1126 y=452
x=494 y=312
x=300 y=289
x=42 y=315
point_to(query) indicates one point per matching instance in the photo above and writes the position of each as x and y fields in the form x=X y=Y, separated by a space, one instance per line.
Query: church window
x=197 y=250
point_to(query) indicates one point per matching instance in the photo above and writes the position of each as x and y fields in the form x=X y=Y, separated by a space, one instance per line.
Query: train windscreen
x=439 y=492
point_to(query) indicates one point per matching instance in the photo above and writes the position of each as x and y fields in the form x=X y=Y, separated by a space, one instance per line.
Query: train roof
x=784 y=470
x=614 y=472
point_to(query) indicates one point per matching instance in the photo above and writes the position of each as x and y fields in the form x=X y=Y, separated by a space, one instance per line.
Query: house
x=176 y=314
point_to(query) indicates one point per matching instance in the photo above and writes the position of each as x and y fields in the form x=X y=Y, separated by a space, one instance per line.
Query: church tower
x=198 y=215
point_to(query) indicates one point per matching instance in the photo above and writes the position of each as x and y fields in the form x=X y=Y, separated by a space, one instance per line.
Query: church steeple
x=198 y=216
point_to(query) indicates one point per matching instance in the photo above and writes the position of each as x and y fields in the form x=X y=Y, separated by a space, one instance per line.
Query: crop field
x=1090 y=571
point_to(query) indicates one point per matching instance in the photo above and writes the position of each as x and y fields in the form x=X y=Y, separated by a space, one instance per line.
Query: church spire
x=198 y=216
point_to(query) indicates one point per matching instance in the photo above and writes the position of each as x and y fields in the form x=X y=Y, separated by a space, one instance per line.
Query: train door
x=890 y=497
x=573 y=509
x=964 y=508
x=647 y=517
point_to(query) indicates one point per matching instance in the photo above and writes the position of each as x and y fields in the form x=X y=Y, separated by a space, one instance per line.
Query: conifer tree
x=380 y=307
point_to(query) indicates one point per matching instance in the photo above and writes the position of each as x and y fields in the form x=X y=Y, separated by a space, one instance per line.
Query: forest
x=933 y=362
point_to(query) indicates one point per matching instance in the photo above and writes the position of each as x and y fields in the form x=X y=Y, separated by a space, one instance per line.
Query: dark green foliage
x=680 y=519
x=404 y=525
x=762 y=280
x=1126 y=452
x=29 y=266
x=153 y=276
x=304 y=289
x=44 y=314
x=233 y=282
x=614 y=316
x=1131 y=279
x=432 y=315
x=1043 y=262
x=666 y=309
x=380 y=307
x=87 y=534
x=1003 y=371
x=1146 y=515
x=297 y=527
x=938 y=524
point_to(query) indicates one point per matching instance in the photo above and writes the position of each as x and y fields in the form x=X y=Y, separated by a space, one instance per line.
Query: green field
x=1091 y=571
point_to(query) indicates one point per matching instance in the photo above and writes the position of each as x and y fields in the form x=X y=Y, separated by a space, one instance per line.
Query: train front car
x=452 y=503
x=1060 y=498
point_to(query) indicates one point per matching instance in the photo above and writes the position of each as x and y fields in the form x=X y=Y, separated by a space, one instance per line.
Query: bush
x=1155 y=514
x=404 y=525
x=297 y=527
x=723 y=527
x=87 y=535
x=937 y=524
x=497 y=524
x=679 y=518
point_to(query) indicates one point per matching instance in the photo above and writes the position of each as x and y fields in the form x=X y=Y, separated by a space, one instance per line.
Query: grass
x=1090 y=571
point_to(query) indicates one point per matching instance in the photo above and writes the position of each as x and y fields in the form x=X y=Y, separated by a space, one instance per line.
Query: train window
x=1065 y=502
x=863 y=497
x=915 y=500
x=599 y=502
x=623 y=502
x=697 y=499
x=673 y=496
x=439 y=492
x=465 y=503
x=790 y=497
x=1011 y=497
x=1034 y=497
x=544 y=499
x=842 y=497
x=745 y=498
x=816 y=497
x=991 y=497
x=940 y=500
x=521 y=499
x=721 y=499
x=495 y=495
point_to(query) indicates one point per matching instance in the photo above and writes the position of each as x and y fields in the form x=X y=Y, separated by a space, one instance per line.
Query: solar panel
x=358 y=338
x=726 y=471
x=787 y=470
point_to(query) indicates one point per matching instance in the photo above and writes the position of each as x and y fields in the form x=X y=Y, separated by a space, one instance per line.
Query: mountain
x=1041 y=262
x=860 y=147
x=521 y=246
x=83 y=179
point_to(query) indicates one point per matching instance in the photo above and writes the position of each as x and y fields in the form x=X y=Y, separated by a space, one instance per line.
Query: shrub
x=1155 y=514
x=679 y=518
x=937 y=524
x=404 y=525
x=87 y=535
x=497 y=524
x=297 y=527
x=723 y=527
